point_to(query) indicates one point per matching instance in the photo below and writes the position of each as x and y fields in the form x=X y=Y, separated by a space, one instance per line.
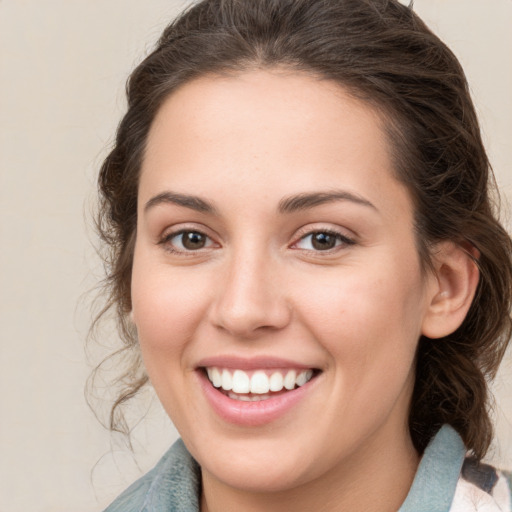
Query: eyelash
x=167 y=238
x=341 y=241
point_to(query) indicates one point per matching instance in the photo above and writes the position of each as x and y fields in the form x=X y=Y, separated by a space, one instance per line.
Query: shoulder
x=482 y=488
x=449 y=481
x=173 y=484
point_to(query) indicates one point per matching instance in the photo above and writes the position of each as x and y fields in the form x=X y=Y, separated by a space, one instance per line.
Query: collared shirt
x=446 y=481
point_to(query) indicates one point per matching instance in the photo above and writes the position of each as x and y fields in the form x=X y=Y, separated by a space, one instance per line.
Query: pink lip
x=252 y=414
x=254 y=363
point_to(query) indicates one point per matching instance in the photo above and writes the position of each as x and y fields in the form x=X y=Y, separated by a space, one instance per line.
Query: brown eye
x=323 y=241
x=193 y=240
x=184 y=241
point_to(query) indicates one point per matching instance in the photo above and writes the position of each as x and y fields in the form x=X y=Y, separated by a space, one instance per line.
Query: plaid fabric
x=482 y=488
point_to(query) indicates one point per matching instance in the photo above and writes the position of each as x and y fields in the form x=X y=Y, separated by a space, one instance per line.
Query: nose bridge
x=249 y=298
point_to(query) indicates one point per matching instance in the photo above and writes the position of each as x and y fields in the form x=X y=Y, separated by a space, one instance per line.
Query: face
x=277 y=289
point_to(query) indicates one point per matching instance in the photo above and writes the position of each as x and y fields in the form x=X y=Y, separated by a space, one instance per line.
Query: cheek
x=367 y=317
x=167 y=308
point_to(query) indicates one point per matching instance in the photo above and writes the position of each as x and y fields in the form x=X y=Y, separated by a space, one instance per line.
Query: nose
x=250 y=300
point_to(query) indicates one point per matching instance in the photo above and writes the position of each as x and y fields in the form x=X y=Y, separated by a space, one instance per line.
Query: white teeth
x=289 y=380
x=227 y=380
x=240 y=382
x=259 y=383
x=303 y=377
x=276 y=382
x=216 y=377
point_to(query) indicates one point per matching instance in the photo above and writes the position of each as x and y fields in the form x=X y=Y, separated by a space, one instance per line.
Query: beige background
x=63 y=64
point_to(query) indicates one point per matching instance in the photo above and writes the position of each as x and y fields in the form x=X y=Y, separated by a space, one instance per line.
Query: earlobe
x=454 y=286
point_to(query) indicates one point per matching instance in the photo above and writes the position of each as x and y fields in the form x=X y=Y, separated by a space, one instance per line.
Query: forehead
x=268 y=130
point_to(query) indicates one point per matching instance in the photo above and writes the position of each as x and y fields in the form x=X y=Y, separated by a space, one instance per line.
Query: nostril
x=251 y=320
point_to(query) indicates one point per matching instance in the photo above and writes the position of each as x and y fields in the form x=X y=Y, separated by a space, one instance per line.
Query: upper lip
x=252 y=363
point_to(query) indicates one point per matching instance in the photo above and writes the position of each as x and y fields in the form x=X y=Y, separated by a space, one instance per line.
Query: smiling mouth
x=258 y=385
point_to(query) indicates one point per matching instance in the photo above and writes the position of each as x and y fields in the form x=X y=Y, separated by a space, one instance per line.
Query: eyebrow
x=305 y=201
x=185 y=200
x=290 y=204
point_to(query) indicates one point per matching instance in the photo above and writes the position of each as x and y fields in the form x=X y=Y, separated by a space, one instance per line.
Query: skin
x=258 y=287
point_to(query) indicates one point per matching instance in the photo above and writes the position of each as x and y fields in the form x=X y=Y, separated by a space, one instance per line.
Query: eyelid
x=174 y=231
x=339 y=233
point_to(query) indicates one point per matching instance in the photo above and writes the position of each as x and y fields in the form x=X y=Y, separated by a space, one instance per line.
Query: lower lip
x=251 y=414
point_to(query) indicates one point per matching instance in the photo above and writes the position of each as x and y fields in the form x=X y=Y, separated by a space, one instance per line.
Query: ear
x=454 y=285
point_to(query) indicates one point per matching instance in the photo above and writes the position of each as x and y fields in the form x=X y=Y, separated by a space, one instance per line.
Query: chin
x=269 y=462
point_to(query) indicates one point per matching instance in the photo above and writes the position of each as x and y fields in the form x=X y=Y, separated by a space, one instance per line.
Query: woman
x=306 y=264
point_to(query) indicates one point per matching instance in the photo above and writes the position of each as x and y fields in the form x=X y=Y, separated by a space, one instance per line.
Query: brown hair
x=384 y=54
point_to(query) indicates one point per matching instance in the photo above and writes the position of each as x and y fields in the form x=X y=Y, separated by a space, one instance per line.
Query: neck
x=375 y=479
